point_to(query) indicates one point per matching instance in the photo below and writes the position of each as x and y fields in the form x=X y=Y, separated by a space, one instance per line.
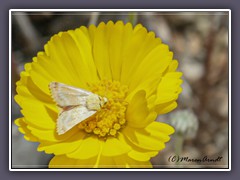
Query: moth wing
x=65 y=95
x=67 y=119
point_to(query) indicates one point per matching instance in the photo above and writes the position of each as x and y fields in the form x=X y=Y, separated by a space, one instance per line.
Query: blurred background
x=199 y=41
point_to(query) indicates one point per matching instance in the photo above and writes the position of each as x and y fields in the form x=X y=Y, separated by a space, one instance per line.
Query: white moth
x=75 y=105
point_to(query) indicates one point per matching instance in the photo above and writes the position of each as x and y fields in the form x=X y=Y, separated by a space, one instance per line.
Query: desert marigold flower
x=129 y=66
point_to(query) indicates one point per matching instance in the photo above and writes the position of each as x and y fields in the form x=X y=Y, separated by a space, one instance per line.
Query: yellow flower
x=129 y=66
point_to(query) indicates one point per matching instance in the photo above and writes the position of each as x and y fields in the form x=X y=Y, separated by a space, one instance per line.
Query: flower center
x=111 y=117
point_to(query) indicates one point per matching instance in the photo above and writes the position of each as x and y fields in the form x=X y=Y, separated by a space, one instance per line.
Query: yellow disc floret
x=111 y=117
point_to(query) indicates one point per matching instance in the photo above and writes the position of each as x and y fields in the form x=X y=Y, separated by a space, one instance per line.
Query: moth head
x=95 y=102
x=103 y=100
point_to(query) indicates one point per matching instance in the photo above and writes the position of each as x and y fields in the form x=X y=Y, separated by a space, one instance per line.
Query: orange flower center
x=111 y=117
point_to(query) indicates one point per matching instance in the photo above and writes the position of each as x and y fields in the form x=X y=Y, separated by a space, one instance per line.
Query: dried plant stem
x=28 y=31
x=178 y=145
x=132 y=18
x=93 y=18
x=15 y=75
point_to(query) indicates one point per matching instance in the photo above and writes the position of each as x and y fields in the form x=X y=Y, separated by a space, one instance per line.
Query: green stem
x=178 y=145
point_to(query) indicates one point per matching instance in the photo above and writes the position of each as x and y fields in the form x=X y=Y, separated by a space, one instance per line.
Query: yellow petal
x=142 y=156
x=46 y=70
x=137 y=27
x=145 y=48
x=105 y=162
x=172 y=66
x=27 y=89
x=62 y=162
x=68 y=54
x=143 y=139
x=122 y=161
x=52 y=67
x=149 y=86
x=129 y=54
x=115 y=49
x=51 y=135
x=37 y=113
x=88 y=148
x=151 y=138
x=24 y=130
x=85 y=31
x=154 y=63
x=30 y=90
x=114 y=147
x=126 y=162
x=72 y=58
x=166 y=97
x=175 y=75
x=138 y=115
x=83 y=54
x=137 y=153
x=169 y=88
x=127 y=36
x=39 y=116
x=100 y=52
x=24 y=75
x=86 y=163
x=160 y=130
x=165 y=107
x=92 y=29
x=64 y=147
